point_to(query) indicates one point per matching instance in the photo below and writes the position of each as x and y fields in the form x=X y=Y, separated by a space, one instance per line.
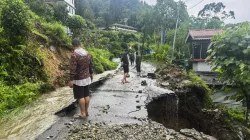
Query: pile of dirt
x=146 y=131
x=170 y=76
x=56 y=64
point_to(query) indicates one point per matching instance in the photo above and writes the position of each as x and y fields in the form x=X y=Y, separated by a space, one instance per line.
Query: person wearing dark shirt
x=125 y=63
x=138 y=64
x=81 y=70
x=132 y=58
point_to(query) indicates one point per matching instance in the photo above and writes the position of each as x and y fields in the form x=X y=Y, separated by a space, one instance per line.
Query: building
x=200 y=41
x=120 y=27
x=70 y=5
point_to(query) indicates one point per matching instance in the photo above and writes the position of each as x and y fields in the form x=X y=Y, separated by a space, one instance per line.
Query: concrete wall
x=70 y=6
x=201 y=66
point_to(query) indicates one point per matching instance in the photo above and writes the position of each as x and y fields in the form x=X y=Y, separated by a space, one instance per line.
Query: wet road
x=30 y=121
x=111 y=103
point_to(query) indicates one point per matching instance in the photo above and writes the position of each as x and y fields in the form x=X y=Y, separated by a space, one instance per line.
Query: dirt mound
x=147 y=131
x=170 y=76
x=56 y=62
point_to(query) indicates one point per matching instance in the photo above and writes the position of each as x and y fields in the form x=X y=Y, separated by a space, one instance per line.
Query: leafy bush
x=57 y=34
x=101 y=60
x=15 y=96
x=104 y=41
x=198 y=81
x=15 y=21
x=127 y=37
x=230 y=54
x=161 y=53
x=20 y=65
x=90 y=25
x=61 y=13
x=76 y=24
x=113 y=36
x=237 y=115
x=41 y=8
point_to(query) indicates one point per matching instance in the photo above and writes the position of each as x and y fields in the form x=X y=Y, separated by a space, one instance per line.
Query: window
x=69 y=9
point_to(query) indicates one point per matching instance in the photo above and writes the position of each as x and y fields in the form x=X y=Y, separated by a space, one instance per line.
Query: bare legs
x=124 y=80
x=87 y=100
x=84 y=105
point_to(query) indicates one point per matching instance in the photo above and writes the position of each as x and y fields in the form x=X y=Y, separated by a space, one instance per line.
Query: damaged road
x=118 y=111
x=111 y=103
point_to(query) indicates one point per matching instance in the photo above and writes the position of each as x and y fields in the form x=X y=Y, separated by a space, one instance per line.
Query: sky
x=240 y=7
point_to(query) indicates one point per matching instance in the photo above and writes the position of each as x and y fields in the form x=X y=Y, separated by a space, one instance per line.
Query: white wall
x=70 y=6
x=70 y=2
x=195 y=66
x=202 y=66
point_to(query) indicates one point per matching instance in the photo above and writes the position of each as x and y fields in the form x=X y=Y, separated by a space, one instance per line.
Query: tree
x=61 y=13
x=213 y=15
x=180 y=45
x=197 y=23
x=76 y=24
x=214 y=24
x=15 y=21
x=41 y=8
x=166 y=11
x=115 y=9
x=216 y=10
x=231 y=54
x=108 y=19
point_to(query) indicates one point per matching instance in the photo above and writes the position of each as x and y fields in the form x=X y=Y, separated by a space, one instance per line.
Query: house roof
x=202 y=34
x=52 y=2
x=124 y=26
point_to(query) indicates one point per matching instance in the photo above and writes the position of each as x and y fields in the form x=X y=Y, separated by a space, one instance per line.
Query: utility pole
x=177 y=21
x=139 y=49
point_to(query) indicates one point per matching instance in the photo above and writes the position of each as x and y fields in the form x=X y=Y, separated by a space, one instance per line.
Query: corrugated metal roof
x=203 y=34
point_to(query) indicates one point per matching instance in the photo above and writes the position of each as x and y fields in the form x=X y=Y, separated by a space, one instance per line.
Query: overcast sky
x=240 y=7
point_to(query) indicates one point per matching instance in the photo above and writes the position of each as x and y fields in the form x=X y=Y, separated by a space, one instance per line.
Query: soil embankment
x=190 y=106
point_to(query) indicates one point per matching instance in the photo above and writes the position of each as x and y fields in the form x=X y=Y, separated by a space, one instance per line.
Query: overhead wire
x=196 y=4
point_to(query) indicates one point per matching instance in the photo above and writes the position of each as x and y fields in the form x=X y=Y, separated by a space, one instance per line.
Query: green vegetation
x=237 y=115
x=230 y=56
x=56 y=34
x=199 y=82
x=29 y=27
x=161 y=53
x=12 y=97
x=26 y=31
x=76 y=24
x=101 y=59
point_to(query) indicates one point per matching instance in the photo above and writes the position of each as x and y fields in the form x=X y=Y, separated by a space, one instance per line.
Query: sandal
x=78 y=116
x=123 y=82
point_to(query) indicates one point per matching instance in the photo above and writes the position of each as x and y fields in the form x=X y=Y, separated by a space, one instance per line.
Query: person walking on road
x=81 y=70
x=132 y=58
x=125 y=63
x=138 y=64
